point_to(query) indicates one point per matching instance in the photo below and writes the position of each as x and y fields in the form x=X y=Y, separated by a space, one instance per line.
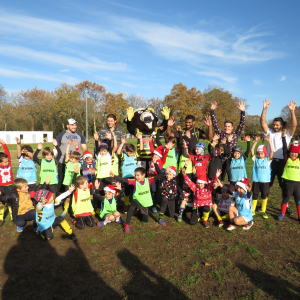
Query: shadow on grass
x=36 y=271
x=144 y=283
x=275 y=287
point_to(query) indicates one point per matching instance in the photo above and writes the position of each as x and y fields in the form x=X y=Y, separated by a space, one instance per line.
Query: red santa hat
x=159 y=151
x=202 y=181
x=262 y=148
x=243 y=183
x=110 y=188
x=173 y=170
x=295 y=147
x=87 y=154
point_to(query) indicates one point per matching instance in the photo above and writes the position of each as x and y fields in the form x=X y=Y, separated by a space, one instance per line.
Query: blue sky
x=145 y=47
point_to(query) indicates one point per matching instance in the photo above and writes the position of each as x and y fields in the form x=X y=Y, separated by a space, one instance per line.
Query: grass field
x=178 y=261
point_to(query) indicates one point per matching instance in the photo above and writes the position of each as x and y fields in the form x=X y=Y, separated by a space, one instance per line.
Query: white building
x=27 y=137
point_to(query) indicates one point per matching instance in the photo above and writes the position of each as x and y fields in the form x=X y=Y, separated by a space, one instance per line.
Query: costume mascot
x=144 y=120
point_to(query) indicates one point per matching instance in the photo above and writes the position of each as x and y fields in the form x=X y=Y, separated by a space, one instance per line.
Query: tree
x=95 y=94
x=252 y=125
x=227 y=105
x=7 y=109
x=136 y=101
x=183 y=101
x=157 y=104
x=286 y=116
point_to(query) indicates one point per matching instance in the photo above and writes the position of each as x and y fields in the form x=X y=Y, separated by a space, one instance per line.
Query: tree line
x=39 y=109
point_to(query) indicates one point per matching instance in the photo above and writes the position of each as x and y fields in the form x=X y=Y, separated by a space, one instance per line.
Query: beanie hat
x=173 y=170
x=262 y=148
x=159 y=151
x=110 y=188
x=87 y=154
x=239 y=149
x=201 y=145
x=40 y=194
x=243 y=183
x=295 y=147
x=201 y=181
x=103 y=146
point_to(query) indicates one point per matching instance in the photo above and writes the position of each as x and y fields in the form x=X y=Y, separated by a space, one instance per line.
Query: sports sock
x=225 y=217
x=250 y=222
x=10 y=211
x=126 y=200
x=205 y=216
x=298 y=210
x=98 y=211
x=264 y=204
x=254 y=203
x=283 y=208
x=66 y=227
x=161 y=215
x=117 y=219
x=2 y=207
x=106 y=221
x=181 y=209
x=219 y=218
x=66 y=206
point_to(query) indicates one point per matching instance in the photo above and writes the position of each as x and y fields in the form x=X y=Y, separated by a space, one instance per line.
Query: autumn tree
x=136 y=101
x=183 y=101
x=157 y=104
x=6 y=108
x=227 y=105
x=95 y=96
x=252 y=125
x=286 y=116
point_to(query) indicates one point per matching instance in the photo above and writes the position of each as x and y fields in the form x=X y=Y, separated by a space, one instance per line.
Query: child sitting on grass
x=7 y=192
x=48 y=165
x=108 y=212
x=241 y=214
x=202 y=197
x=23 y=209
x=72 y=162
x=261 y=174
x=224 y=201
x=45 y=216
x=27 y=169
x=141 y=196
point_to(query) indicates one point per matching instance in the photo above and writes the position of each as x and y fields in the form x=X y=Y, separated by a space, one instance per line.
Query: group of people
x=180 y=174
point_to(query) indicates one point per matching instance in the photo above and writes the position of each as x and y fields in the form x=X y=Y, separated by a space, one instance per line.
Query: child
x=45 y=216
x=7 y=191
x=81 y=204
x=108 y=211
x=202 y=197
x=129 y=161
x=88 y=167
x=23 y=209
x=237 y=162
x=290 y=176
x=241 y=214
x=224 y=201
x=141 y=196
x=27 y=169
x=48 y=165
x=72 y=162
x=261 y=174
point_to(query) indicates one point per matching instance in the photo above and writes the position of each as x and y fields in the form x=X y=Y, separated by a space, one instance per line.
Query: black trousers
x=48 y=233
x=21 y=220
x=197 y=213
x=277 y=166
x=168 y=203
x=61 y=174
x=81 y=221
x=135 y=204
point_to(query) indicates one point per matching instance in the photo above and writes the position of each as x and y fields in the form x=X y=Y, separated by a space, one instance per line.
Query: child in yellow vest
x=72 y=162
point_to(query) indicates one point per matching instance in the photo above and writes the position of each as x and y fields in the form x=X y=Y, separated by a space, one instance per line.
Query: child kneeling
x=108 y=212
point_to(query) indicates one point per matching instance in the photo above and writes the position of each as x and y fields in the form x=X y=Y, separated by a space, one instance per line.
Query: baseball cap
x=72 y=121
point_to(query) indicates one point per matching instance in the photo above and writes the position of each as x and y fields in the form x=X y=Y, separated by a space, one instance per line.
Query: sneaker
x=154 y=210
x=36 y=230
x=162 y=222
x=281 y=217
x=179 y=219
x=1 y=222
x=20 y=229
x=73 y=237
x=126 y=228
x=231 y=227
x=205 y=224
x=289 y=211
x=220 y=223
x=247 y=227
x=64 y=213
x=100 y=224
x=265 y=216
x=125 y=209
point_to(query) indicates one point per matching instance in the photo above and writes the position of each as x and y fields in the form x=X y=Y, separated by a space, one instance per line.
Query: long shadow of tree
x=274 y=286
x=36 y=271
x=145 y=284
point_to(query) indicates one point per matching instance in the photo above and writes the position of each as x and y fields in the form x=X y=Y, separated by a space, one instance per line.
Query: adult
x=63 y=140
x=228 y=125
x=275 y=135
x=191 y=134
x=112 y=127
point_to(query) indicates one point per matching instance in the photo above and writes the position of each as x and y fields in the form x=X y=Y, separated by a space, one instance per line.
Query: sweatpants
x=168 y=203
x=21 y=220
x=81 y=221
x=136 y=204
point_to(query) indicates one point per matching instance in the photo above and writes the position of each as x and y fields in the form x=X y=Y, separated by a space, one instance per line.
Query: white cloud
x=30 y=74
x=218 y=75
x=64 y=70
x=283 y=78
x=88 y=64
x=128 y=84
x=257 y=82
